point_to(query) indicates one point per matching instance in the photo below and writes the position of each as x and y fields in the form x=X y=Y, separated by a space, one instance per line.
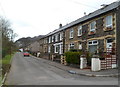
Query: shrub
x=88 y=57
x=73 y=57
x=75 y=50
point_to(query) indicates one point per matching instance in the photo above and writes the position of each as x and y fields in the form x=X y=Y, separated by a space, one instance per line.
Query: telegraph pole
x=118 y=34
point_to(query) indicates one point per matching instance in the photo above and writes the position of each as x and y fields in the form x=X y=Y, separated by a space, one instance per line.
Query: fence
x=110 y=60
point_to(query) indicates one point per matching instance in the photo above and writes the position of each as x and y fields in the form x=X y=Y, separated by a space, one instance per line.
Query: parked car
x=26 y=54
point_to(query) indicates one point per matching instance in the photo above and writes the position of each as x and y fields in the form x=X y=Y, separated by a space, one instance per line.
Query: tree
x=7 y=36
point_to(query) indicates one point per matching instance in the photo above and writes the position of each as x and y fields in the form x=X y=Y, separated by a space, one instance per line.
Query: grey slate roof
x=91 y=15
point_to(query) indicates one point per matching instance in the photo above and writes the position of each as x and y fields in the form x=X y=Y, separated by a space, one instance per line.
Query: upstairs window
x=61 y=35
x=71 y=33
x=56 y=37
x=45 y=41
x=92 y=26
x=49 y=39
x=108 y=21
x=71 y=46
x=52 y=38
x=49 y=49
x=79 y=30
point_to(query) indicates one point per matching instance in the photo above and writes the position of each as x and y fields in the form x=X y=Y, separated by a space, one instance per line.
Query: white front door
x=109 y=44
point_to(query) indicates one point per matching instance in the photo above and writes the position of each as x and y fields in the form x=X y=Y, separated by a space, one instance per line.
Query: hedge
x=73 y=57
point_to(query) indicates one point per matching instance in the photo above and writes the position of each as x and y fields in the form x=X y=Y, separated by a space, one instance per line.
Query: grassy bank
x=5 y=62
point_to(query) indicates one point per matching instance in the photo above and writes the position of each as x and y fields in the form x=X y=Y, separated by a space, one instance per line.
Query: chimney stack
x=84 y=13
x=60 y=25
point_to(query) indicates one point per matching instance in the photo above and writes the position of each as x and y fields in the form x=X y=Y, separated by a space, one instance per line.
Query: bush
x=88 y=57
x=73 y=57
x=75 y=50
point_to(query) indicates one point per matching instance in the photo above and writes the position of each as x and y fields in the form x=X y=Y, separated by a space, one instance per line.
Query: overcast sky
x=39 y=17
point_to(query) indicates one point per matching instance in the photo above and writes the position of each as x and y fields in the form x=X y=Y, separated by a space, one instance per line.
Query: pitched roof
x=89 y=16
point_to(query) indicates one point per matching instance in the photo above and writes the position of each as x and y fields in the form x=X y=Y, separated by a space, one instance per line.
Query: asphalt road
x=32 y=71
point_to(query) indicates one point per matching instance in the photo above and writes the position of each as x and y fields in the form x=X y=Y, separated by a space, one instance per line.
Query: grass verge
x=6 y=64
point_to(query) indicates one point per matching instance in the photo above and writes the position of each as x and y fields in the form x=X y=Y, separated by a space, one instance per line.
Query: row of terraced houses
x=95 y=32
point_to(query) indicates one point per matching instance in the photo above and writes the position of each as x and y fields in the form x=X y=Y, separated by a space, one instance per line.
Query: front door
x=109 y=44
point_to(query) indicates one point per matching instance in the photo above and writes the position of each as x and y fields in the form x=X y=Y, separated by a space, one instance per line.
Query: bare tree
x=7 y=36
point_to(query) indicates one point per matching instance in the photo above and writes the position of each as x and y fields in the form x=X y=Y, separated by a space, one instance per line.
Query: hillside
x=25 y=41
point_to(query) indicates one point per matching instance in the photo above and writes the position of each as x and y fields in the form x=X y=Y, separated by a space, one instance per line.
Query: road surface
x=33 y=71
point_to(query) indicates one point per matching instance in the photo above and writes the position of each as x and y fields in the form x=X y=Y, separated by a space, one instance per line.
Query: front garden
x=73 y=57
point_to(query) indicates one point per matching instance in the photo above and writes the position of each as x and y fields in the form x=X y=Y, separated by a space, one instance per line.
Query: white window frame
x=92 y=42
x=71 y=45
x=71 y=33
x=93 y=29
x=46 y=41
x=80 y=31
x=56 y=37
x=52 y=38
x=106 y=20
x=61 y=35
x=80 y=45
x=56 y=51
x=61 y=49
x=49 y=39
x=49 y=49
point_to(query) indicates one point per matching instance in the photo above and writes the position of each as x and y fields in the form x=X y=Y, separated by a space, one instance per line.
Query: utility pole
x=118 y=34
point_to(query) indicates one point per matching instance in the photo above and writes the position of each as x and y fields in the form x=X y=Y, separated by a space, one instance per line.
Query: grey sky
x=39 y=17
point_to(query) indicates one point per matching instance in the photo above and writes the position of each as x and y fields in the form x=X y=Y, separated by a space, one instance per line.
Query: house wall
x=53 y=43
x=101 y=35
x=34 y=47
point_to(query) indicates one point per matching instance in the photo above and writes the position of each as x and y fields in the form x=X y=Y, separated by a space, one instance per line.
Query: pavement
x=83 y=72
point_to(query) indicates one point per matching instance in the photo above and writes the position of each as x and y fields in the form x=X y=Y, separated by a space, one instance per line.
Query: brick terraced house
x=95 y=32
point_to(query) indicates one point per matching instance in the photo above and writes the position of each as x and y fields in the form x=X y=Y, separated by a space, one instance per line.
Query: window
x=94 y=42
x=56 y=48
x=108 y=21
x=49 y=39
x=61 y=49
x=71 y=46
x=61 y=35
x=92 y=26
x=49 y=48
x=109 y=40
x=80 y=45
x=79 y=30
x=45 y=41
x=52 y=38
x=56 y=37
x=71 y=33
